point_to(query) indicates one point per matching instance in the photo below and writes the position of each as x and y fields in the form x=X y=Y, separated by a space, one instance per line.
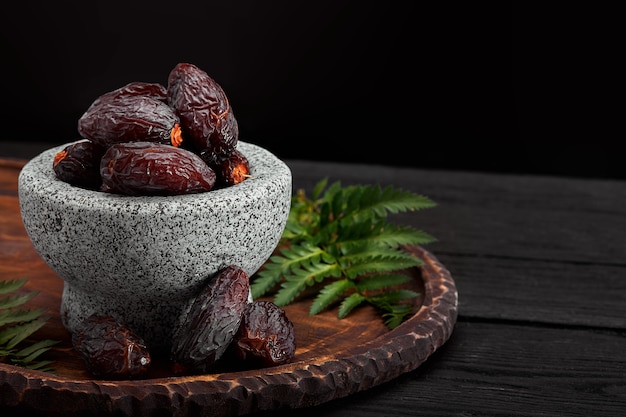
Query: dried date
x=265 y=337
x=147 y=168
x=130 y=118
x=79 y=164
x=111 y=349
x=207 y=120
x=212 y=321
x=135 y=88
x=231 y=169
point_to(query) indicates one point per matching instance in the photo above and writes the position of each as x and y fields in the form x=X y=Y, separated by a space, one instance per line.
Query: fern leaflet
x=342 y=233
x=17 y=323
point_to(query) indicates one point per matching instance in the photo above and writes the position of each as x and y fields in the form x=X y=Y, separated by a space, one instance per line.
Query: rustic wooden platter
x=334 y=358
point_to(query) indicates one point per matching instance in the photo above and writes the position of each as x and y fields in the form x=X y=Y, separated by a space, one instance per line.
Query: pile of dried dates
x=223 y=326
x=150 y=139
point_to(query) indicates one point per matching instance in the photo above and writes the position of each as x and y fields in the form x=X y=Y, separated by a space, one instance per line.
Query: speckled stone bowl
x=142 y=259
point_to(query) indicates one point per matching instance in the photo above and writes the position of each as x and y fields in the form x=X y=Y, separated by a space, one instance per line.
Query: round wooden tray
x=334 y=358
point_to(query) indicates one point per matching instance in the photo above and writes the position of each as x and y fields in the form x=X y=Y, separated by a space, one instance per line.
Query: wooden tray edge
x=294 y=385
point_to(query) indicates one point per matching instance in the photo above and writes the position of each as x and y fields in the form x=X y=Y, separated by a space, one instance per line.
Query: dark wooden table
x=540 y=268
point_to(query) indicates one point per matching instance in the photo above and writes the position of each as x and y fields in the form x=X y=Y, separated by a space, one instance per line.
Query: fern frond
x=329 y=294
x=279 y=266
x=342 y=233
x=330 y=192
x=294 y=231
x=320 y=186
x=382 y=264
x=398 y=235
x=350 y=303
x=17 y=323
x=16 y=316
x=358 y=230
x=302 y=278
x=39 y=366
x=265 y=281
x=33 y=351
x=12 y=335
x=300 y=254
x=394 y=311
x=391 y=297
x=28 y=357
x=380 y=281
x=9 y=301
x=395 y=314
x=369 y=250
x=378 y=202
x=10 y=286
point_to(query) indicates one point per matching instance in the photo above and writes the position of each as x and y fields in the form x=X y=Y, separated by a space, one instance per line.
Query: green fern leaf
x=10 y=286
x=40 y=366
x=22 y=315
x=288 y=292
x=342 y=234
x=9 y=301
x=350 y=303
x=266 y=279
x=386 y=264
x=380 y=281
x=28 y=357
x=396 y=201
x=358 y=229
x=300 y=279
x=17 y=323
x=35 y=350
x=392 y=297
x=395 y=315
x=11 y=336
x=329 y=294
x=371 y=250
x=280 y=266
x=353 y=200
x=330 y=192
x=320 y=186
x=378 y=202
x=294 y=231
x=395 y=235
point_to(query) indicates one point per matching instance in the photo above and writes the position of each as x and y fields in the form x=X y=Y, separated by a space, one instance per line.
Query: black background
x=497 y=86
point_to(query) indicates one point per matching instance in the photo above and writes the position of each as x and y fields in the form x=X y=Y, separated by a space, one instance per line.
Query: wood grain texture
x=529 y=217
x=493 y=369
x=335 y=358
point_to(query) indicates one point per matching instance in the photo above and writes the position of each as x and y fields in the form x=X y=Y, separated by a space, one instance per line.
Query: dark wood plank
x=495 y=370
x=540 y=291
x=546 y=218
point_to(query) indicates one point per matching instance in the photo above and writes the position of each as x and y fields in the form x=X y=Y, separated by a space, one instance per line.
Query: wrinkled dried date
x=135 y=88
x=231 y=169
x=212 y=321
x=147 y=168
x=207 y=120
x=192 y=106
x=79 y=164
x=110 y=349
x=130 y=119
x=265 y=337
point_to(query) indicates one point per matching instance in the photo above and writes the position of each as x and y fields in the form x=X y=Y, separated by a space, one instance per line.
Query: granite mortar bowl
x=143 y=259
